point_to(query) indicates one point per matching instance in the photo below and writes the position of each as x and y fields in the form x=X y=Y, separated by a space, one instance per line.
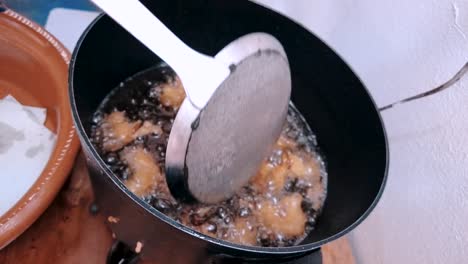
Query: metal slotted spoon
x=231 y=116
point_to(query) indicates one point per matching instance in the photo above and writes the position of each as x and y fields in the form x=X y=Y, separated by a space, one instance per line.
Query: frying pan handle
x=120 y=253
x=450 y=83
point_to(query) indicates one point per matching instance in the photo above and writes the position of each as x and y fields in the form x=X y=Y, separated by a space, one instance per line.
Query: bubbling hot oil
x=278 y=207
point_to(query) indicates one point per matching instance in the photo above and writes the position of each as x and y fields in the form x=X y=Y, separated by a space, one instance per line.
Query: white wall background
x=401 y=48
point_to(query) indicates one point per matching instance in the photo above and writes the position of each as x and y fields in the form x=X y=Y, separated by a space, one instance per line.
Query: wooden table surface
x=68 y=234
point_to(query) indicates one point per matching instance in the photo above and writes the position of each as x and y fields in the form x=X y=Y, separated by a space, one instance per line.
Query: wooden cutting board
x=67 y=233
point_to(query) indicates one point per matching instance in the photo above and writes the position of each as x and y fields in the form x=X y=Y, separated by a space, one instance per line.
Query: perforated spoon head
x=212 y=153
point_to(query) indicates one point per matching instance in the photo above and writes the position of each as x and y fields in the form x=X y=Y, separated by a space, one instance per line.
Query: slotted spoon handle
x=191 y=66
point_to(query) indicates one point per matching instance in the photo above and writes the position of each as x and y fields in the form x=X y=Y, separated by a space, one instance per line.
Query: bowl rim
x=44 y=190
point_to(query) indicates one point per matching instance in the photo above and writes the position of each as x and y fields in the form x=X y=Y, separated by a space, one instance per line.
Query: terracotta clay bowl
x=34 y=69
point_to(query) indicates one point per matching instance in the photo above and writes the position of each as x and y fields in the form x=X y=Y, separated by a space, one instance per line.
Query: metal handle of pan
x=457 y=77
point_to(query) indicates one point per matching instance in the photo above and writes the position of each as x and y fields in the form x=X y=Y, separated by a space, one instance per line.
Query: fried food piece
x=304 y=166
x=243 y=232
x=316 y=194
x=208 y=229
x=273 y=173
x=117 y=131
x=145 y=173
x=270 y=178
x=286 y=143
x=172 y=94
x=146 y=129
x=284 y=217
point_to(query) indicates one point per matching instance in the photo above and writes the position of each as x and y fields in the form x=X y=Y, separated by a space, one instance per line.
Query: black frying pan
x=331 y=97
